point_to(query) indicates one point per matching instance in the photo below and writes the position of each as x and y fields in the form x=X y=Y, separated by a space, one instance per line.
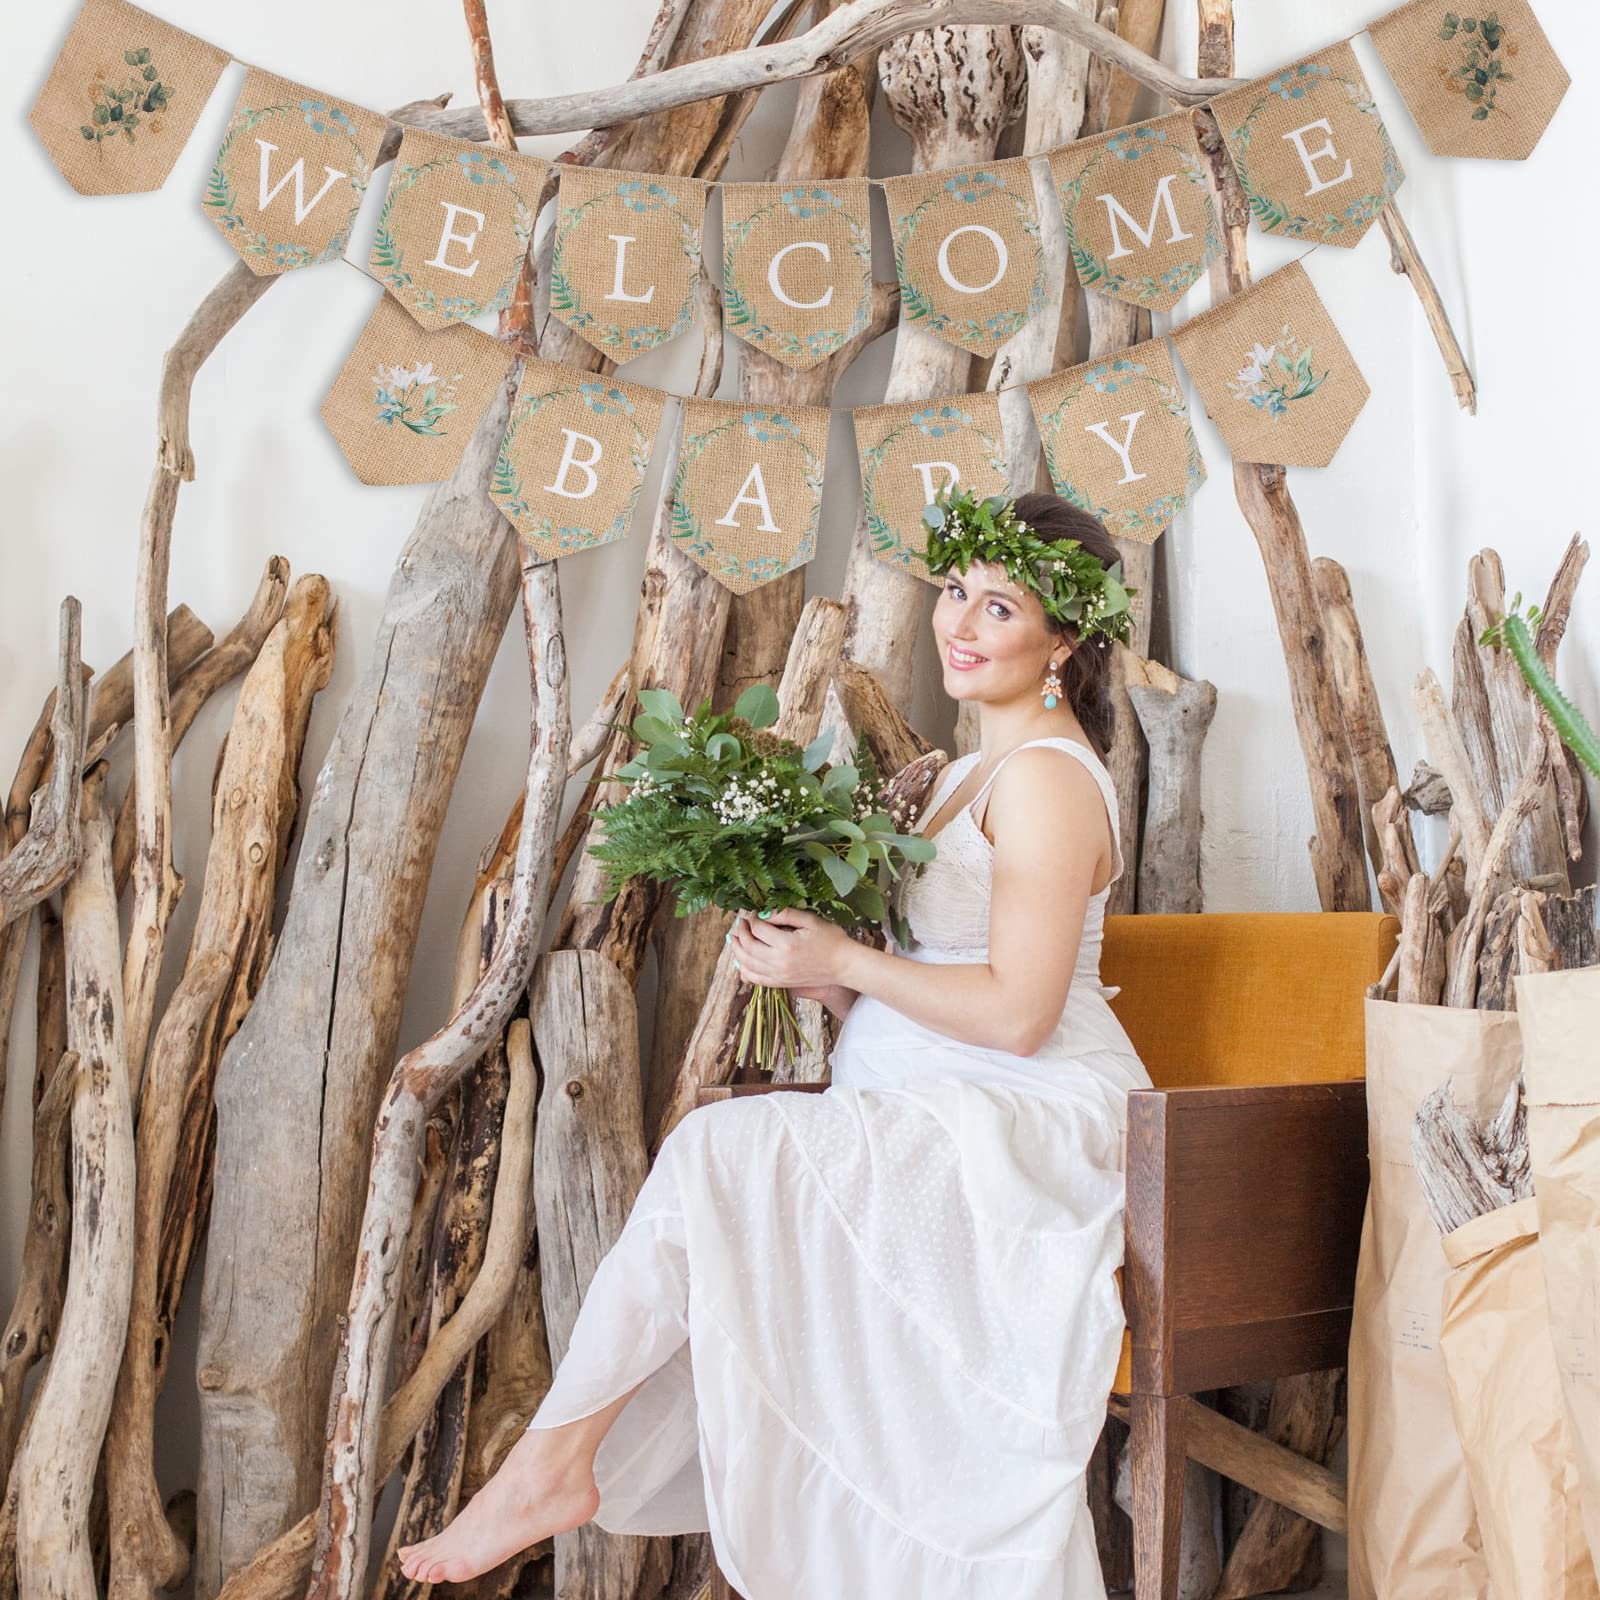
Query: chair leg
x=1156 y=1426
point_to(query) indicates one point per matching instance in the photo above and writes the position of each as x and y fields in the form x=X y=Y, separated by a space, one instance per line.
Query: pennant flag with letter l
x=747 y=494
x=968 y=252
x=1275 y=376
x=1312 y=153
x=626 y=257
x=574 y=457
x=407 y=399
x=1137 y=204
x=455 y=226
x=1118 y=441
x=1477 y=83
x=122 y=98
x=909 y=452
x=797 y=266
x=290 y=174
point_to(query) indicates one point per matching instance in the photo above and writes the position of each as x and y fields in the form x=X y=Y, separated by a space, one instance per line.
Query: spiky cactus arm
x=1512 y=632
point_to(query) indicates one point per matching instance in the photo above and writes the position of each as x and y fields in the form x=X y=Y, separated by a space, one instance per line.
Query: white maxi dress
x=878 y=1326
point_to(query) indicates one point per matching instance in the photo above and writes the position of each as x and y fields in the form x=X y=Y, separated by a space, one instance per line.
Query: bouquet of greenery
x=729 y=814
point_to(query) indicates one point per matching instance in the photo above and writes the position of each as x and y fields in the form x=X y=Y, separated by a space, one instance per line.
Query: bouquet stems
x=771 y=1031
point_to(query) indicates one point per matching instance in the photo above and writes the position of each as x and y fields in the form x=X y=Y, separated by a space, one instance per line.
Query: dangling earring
x=1052 y=688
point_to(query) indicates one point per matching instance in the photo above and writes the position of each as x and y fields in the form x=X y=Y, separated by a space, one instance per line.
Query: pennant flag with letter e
x=747 y=495
x=574 y=457
x=288 y=180
x=1140 y=223
x=1312 y=153
x=455 y=226
x=407 y=399
x=122 y=98
x=797 y=266
x=968 y=253
x=1118 y=441
x=626 y=257
x=908 y=453
x=1477 y=83
x=1275 y=376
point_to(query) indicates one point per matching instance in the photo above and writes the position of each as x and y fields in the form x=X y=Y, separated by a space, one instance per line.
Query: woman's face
x=995 y=642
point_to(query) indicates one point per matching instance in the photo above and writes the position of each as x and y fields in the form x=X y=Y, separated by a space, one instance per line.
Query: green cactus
x=1512 y=632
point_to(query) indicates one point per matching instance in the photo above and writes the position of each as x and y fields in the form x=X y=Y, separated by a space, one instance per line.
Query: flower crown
x=1072 y=583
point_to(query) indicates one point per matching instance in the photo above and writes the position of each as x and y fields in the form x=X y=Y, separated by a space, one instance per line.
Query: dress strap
x=1108 y=790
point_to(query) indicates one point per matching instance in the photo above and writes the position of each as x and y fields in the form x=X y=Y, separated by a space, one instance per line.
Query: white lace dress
x=879 y=1325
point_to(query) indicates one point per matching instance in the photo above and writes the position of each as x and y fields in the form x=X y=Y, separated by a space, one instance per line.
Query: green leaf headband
x=1072 y=583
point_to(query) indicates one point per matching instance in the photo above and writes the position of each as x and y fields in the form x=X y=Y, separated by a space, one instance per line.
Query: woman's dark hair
x=1086 y=673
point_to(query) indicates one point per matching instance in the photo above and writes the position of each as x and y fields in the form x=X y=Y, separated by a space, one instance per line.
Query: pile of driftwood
x=396 y=1250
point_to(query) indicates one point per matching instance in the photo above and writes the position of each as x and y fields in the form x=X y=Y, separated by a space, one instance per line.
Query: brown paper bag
x=1413 y=1530
x=1500 y=1365
x=1560 y=1014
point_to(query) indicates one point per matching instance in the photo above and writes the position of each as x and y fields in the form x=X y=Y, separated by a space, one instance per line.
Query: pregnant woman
x=867 y=1337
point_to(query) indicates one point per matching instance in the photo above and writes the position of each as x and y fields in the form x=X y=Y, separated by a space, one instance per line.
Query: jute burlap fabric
x=1312 y=153
x=747 y=494
x=1476 y=83
x=290 y=175
x=1275 y=376
x=967 y=251
x=797 y=266
x=407 y=399
x=626 y=257
x=1140 y=223
x=455 y=226
x=574 y=457
x=1118 y=441
x=122 y=98
x=909 y=453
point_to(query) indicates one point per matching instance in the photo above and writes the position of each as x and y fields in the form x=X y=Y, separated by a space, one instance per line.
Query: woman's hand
x=792 y=949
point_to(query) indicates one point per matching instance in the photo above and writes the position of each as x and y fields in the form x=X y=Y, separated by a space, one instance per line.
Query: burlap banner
x=1312 y=153
x=455 y=226
x=406 y=400
x=288 y=180
x=574 y=457
x=1477 y=83
x=1275 y=376
x=1140 y=222
x=626 y=257
x=747 y=495
x=909 y=453
x=1118 y=441
x=797 y=266
x=967 y=251
x=123 y=96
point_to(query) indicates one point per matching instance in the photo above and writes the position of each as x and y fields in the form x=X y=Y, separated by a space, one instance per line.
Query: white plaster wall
x=96 y=290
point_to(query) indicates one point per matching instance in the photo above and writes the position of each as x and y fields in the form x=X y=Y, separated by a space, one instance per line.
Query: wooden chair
x=1247 y=1178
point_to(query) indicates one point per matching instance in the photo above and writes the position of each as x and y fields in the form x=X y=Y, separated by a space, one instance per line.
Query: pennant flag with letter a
x=1275 y=376
x=574 y=457
x=909 y=452
x=1118 y=441
x=455 y=226
x=122 y=98
x=1312 y=153
x=747 y=495
x=288 y=180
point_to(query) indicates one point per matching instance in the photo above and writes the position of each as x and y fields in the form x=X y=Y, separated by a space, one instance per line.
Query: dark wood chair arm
x=1243 y=1226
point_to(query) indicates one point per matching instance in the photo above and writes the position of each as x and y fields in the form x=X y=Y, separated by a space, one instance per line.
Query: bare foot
x=538 y=1491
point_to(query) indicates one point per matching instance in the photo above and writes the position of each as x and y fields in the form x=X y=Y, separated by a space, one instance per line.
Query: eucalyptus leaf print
x=118 y=109
x=415 y=397
x=1275 y=376
x=1484 y=51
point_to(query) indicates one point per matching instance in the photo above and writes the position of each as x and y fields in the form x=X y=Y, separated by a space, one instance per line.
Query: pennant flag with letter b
x=1275 y=376
x=1312 y=153
x=574 y=457
x=122 y=98
x=1117 y=440
x=910 y=452
x=747 y=495
x=455 y=226
x=288 y=180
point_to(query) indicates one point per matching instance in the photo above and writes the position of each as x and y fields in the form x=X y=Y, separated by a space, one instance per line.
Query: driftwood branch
x=1465 y=1167
x=1174 y=714
x=1405 y=258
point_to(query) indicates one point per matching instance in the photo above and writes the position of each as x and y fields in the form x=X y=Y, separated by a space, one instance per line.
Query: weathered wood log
x=1466 y=1167
x=1499 y=959
x=1174 y=714
x=1447 y=746
x=1421 y=976
x=1571 y=928
x=299 y=1086
x=871 y=712
x=56 y=1463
